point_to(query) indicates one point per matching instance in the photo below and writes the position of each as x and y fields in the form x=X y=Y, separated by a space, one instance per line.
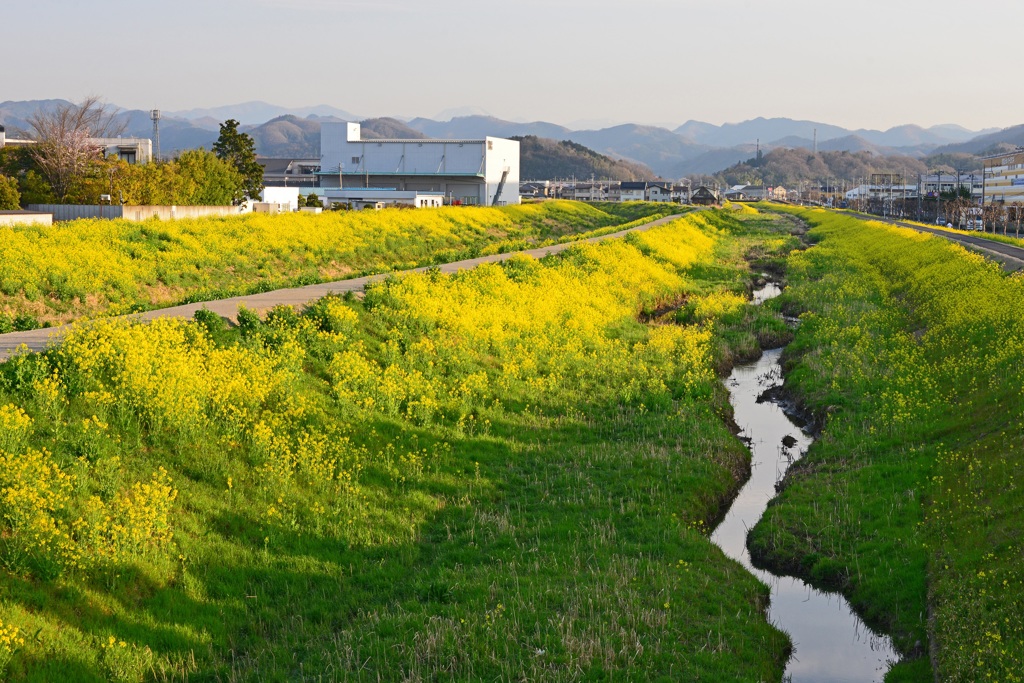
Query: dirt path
x=38 y=340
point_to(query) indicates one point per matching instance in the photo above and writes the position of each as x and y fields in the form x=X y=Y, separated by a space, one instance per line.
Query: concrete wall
x=285 y=196
x=70 y=212
x=502 y=154
x=25 y=218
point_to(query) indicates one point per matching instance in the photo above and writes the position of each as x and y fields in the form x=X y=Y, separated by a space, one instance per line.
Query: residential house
x=704 y=196
x=633 y=191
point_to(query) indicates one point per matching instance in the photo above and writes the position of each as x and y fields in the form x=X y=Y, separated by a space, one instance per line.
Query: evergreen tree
x=239 y=150
x=9 y=195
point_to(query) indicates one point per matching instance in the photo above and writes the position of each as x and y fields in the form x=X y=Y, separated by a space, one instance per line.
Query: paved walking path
x=38 y=340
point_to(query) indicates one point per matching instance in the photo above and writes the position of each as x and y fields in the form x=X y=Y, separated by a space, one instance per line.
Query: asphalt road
x=38 y=340
x=1011 y=258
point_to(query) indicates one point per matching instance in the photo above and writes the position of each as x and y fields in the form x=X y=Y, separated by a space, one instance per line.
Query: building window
x=355 y=160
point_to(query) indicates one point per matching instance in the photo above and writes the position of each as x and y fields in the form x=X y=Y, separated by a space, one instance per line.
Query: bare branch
x=63 y=150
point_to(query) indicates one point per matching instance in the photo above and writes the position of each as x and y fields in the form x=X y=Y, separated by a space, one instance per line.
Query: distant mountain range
x=254 y=113
x=993 y=142
x=695 y=147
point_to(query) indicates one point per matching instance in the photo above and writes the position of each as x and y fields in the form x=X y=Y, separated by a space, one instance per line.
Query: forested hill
x=546 y=159
x=788 y=167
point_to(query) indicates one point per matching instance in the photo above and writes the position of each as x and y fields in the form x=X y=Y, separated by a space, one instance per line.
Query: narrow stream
x=830 y=642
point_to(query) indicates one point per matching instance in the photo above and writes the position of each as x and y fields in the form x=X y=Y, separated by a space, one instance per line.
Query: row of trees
x=66 y=166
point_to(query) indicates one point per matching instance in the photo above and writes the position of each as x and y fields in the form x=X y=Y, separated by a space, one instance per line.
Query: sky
x=865 y=64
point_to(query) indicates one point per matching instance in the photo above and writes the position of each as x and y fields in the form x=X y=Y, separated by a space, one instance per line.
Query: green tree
x=313 y=199
x=239 y=150
x=196 y=178
x=35 y=189
x=208 y=180
x=19 y=163
x=10 y=198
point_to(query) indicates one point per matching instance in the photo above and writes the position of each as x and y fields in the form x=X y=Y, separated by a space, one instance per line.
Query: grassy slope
x=908 y=502
x=1009 y=238
x=90 y=267
x=556 y=532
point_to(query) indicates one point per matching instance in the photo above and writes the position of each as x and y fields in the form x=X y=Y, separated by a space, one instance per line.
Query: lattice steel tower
x=155 y=115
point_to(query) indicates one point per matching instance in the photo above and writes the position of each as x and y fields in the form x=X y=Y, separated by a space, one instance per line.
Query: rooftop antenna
x=155 y=115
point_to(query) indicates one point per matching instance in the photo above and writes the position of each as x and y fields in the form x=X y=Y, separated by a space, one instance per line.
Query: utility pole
x=921 y=186
x=984 y=178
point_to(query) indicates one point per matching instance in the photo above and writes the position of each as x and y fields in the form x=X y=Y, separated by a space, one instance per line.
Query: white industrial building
x=470 y=172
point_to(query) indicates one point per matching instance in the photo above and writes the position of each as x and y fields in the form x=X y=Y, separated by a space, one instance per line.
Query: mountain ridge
x=693 y=147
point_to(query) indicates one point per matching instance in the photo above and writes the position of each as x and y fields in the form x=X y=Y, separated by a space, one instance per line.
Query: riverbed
x=831 y=643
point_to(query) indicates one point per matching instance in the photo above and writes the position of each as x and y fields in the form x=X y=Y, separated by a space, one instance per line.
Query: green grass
x=910 y=350
x=556 y=530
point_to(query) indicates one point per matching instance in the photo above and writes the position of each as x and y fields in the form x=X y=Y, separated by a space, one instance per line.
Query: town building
x=12 y=142
x=132 y=150
x=633 y=191
x=537 y=189
x=659 y=192
x=591 y=192
x=278 y=172
x=650 y=191
x=469 y=172
x=755 y=193
x=881 y=192
x=704 y=196
x=1004 y=178
x=935 y=184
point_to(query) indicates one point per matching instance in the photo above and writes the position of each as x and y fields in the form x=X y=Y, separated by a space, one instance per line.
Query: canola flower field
x=508 y=473
x=911 y=501
x=85 y=268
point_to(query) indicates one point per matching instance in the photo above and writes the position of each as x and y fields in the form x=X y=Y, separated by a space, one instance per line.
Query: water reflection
x=831 y=643
x=769 y=291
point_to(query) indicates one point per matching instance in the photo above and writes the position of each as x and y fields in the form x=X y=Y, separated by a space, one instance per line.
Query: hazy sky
x=870 y=64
